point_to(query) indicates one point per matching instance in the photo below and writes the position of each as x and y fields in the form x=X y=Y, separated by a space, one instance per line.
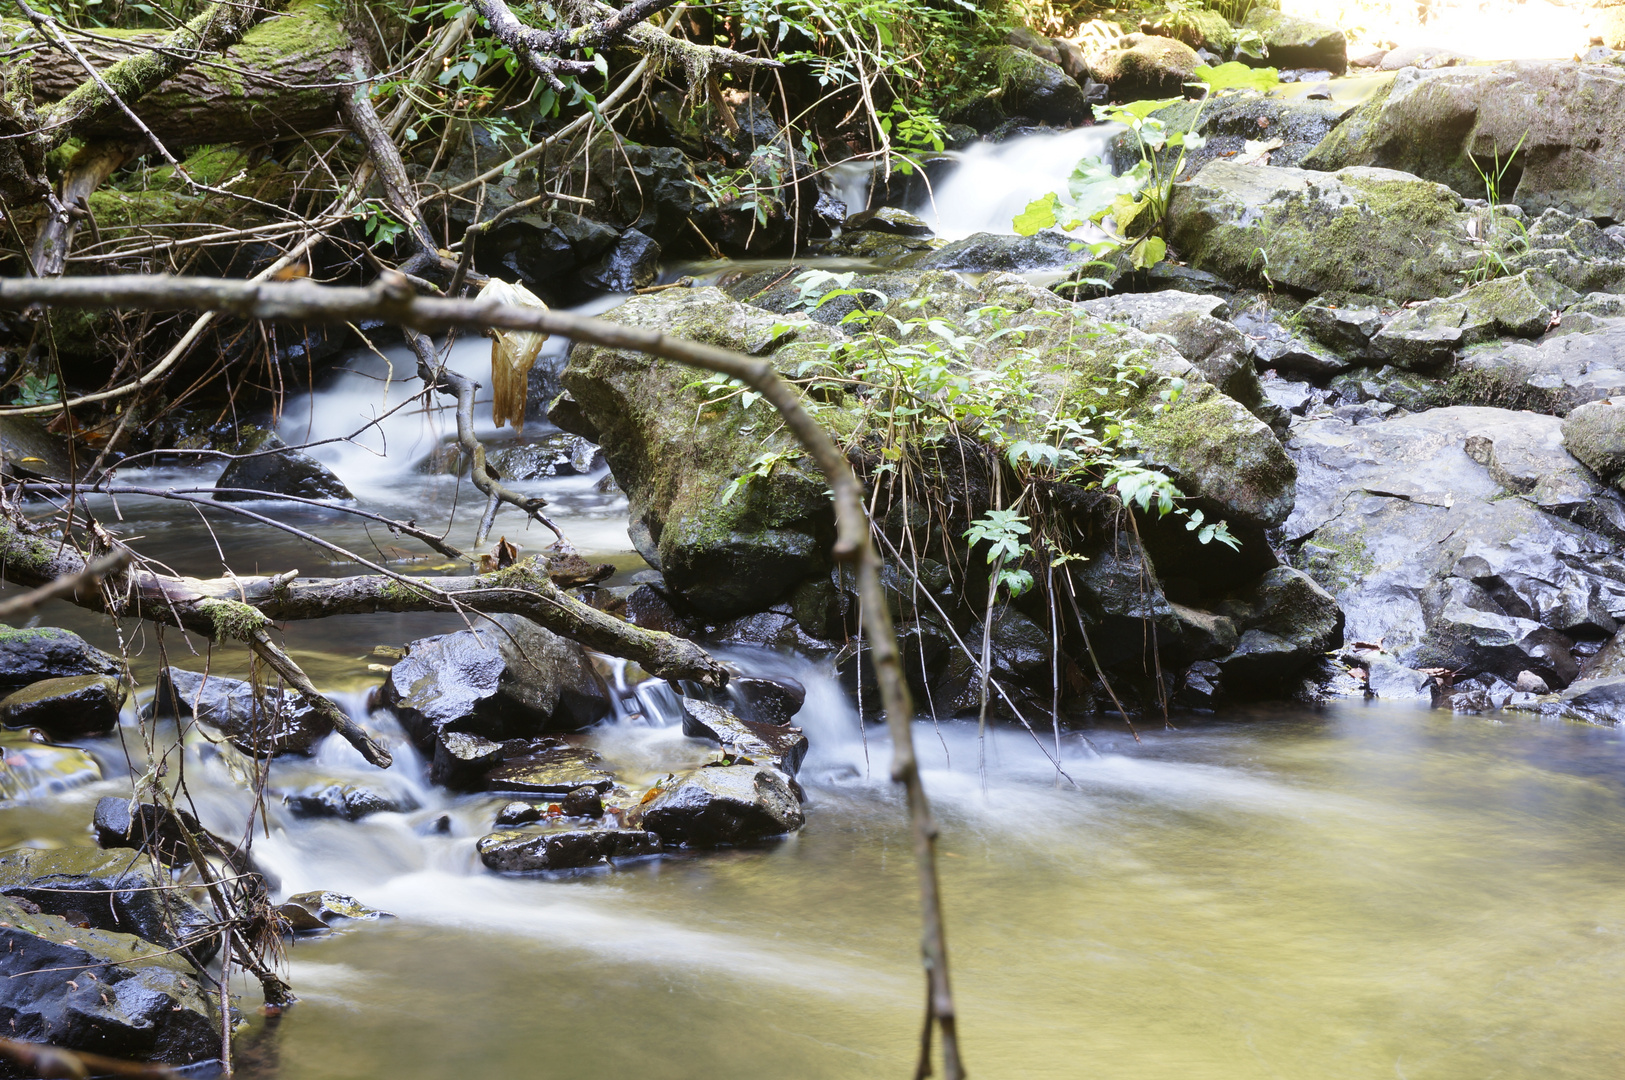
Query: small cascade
x=994 y=182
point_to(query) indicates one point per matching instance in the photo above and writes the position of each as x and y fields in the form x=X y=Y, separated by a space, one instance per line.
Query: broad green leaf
x=1039 y=215
x=1234 y=76
x=1149 y=252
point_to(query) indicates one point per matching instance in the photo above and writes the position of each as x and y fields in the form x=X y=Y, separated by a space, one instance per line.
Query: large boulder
x=142 y=1005
x=1292 y=41
x=110 y=890
x=66 y=708
x=1560 y=123
x=675 y=450
x=28 y=656
x=272 y=468
x=1458 y=539
x=1360 y=230
x=728 y=804
x=1038 y=88
x=267 y=722
x=510 y=680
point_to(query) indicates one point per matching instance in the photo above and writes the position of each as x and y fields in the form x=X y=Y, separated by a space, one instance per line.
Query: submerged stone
x=549 y=768
x=321 y=909
x=29 y=767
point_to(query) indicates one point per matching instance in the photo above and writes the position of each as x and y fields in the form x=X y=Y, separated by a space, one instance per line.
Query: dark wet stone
x=139 y=1006
x=513 y=680
x=28 y=656
x=274 y=722
x=1287 y=621
x=520 y=813
x=159 y=830
x=764 y=744
x=28 y=450
x=549 y=768
x=66 y=708
x=889 y=219
x=109 y=890
x=767 y=701
x=351 y=802
x=462 y=760
x=632 y=263
x=583 y=802
x=648 y=607
x=984 y=252
x=724 y=805
x=1201 y=687
x=519 y=851
x=287 y=473
x=557 y=453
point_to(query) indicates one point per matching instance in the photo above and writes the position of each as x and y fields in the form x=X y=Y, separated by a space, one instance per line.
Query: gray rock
x=1145 y=66
x=1287 y=622
x=530 y=850
x=1439 y=536
x=271 y=722
x=512 y=680
x=139 y=1007
x=632 y=263
x=889 y=219
x=287 y=473
x=1346 y=328
x=1277 y=347
x=110 y=890
x=554 y=454
x=1530 y=683
x=549 y=768
x=347 y=802
x=1566 y=121
x=1556 y=375
x=66 y=708
x=1432 y=332
x=28 y=656
x=731 y=804
x=29 y=451
x=981 y=253
x=1201 y=687
x=461 y=760
x=1595 y=434
x=1295 y=42
x=1360 y=230
x=764 y=700
x=1392 y=681
x=1591 y=701
x=784 y=748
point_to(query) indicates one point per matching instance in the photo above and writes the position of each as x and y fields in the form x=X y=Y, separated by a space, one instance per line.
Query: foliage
x=1506 y=235
x=1237 y=76
x=37 y=390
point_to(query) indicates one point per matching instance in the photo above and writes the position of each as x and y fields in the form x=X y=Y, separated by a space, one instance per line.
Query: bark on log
x=282 y=78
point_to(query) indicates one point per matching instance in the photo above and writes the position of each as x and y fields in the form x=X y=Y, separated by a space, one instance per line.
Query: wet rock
x=1389 y=680
x=288 y=473
x=512 y=680
x=878 y=247
x=1439 y=535
x=1204 y=635
x=109 y=890
x=520 y=851
x=674 y=458
x=1364 y=230
x=889 y=219
x=633 y=263
x=555 y=454
x=271 y=722
x=764 y=744
x=549 y=768
x=731 y=804
x=1556 y=375
x=462 y=760
x=519 y=813
x=1346 y=328
x=1430 y=333
x=766 y=701
x=1037 y=87
x=1287 y=622
x=348 y=802
x=1227 y=125
x=29 y=656
x=1565 y=120
x=539 y=251
x=583 y=802
x=1147 y=66
x=29 y=769
x=647 y=607
x=27 y=450
x=66 y=708
x=1295 y=42
x=1200 y=687
x=139 y=1007
x=320 y=910
x=1530 y=683
x=1590 y=701
x=159 y=830
x=984 y=252
x=1277 y=347
x=1595 y=434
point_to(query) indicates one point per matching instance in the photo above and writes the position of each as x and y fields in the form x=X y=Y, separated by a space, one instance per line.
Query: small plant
x=381 y=227
x=37 y=390
x=1506 y=235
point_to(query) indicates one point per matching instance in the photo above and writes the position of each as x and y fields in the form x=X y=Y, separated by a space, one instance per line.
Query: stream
x=1362 y=891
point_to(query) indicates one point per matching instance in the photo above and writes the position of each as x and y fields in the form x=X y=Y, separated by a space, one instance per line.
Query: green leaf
x=1238 y=76
x=1039 y=215
x=1149 y=252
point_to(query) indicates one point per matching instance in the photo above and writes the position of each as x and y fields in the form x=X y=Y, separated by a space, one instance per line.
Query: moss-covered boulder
x=1595 y=433
x=1148 y=65
x=1295 y=42
x=1358 y=230
x=1559 y=125
x=31 y=654
x=1034 y=87
x=722 y=502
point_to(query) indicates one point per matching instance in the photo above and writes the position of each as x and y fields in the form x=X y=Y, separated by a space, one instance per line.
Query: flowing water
x=1355 y=893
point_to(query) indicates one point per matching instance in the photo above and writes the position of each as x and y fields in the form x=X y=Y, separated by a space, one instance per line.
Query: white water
x=995 y=181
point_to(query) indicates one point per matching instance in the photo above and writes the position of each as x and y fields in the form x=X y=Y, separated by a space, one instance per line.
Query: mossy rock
x=1034 y=87
x=1148 y=66
x=1296 y=42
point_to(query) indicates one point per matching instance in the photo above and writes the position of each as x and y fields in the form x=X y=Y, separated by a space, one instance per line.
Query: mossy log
x=282 y=78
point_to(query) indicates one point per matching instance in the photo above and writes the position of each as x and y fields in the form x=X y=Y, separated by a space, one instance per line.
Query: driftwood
x=393 y=299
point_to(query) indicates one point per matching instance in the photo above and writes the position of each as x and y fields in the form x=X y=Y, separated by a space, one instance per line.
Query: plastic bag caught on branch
x=513 y=354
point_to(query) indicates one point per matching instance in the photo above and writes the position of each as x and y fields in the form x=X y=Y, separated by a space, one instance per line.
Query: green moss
x=232 y=620
x=1494 y=387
